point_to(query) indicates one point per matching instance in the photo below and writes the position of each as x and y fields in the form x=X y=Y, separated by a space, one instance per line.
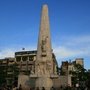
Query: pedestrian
x=43 y=88
x=20 y=87
x=37 y=88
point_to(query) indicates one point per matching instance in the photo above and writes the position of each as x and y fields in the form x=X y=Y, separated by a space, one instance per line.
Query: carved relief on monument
x=49 y=66
x=44 y=68
x=43 y=44
x=41 y=68
x=43 y=47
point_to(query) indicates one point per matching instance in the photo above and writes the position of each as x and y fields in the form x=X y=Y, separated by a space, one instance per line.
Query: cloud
x=64 y=52
x=78 y=47
x=72 y=47
x=6 y=53
x=77 y=40
x=82 y=39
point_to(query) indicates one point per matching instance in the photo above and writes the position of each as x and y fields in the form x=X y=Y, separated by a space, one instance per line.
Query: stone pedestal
x=24 y=81
x=44 y=82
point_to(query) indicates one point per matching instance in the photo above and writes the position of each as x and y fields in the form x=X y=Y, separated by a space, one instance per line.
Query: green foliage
x=15 y=70
x=61 y=72
x=88 y=79
x=8 y=71
x=79 y=74
x=2 y=75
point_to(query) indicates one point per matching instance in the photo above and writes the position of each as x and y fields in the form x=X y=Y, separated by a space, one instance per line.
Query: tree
x=12 y=74
x=60 y=71
x=2 y=75
x=88 y=80
x=79 y=75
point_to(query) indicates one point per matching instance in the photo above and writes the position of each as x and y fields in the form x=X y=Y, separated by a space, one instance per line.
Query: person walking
x=20 y=87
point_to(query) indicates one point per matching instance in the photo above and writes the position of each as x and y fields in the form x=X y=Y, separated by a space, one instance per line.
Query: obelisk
x=44 y=61
x=44 y=49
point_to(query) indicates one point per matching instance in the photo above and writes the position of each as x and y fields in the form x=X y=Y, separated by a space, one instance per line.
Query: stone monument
x=44 y=65
x=44 y=61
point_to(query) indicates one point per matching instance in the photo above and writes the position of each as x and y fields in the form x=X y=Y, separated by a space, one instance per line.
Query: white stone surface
x=24 y=81
x=44 y=82
x=44 y=61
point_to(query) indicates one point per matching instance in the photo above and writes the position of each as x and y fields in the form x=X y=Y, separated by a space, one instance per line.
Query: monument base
x=44 y=83
x=24 y=81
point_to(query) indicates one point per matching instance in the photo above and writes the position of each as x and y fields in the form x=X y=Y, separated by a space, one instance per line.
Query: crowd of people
x=43 y=88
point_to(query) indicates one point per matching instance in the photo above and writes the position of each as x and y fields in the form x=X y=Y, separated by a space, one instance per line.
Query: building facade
x=67 y=67
x=23 y=62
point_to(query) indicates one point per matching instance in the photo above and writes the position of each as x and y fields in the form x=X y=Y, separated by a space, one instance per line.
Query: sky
x=69 y=26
